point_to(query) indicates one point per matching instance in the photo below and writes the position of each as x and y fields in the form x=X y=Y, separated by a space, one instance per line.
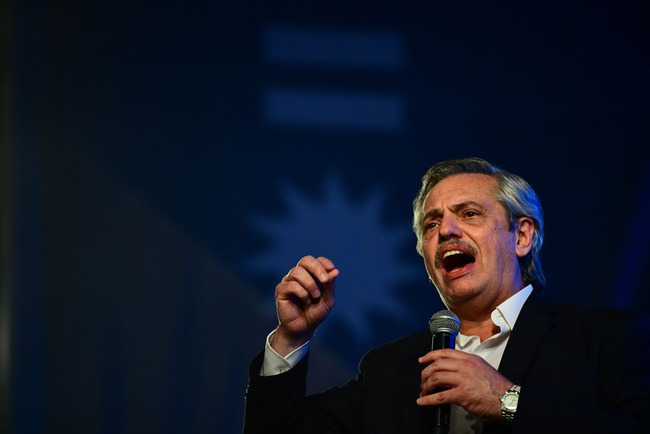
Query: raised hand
x=303 y=299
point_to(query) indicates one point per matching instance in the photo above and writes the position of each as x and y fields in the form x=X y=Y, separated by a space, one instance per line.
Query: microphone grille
x=444 y=321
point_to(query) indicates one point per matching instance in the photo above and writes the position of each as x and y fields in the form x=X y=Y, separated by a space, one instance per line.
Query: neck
x=475 y=322
x=483 y=329
x=475 y=315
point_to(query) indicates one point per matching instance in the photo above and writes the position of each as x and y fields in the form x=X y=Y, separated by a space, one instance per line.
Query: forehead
x=460 y=188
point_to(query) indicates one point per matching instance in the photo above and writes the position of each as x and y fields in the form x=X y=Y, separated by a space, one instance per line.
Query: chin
x=457 y=293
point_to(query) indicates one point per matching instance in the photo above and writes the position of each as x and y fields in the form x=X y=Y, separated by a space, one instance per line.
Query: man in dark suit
x=521 y=363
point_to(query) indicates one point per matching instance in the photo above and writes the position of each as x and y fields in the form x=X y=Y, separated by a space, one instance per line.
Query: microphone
x=444 y=327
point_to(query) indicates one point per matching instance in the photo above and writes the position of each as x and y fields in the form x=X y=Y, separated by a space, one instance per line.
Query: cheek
x=429 y=263
x=504 y=247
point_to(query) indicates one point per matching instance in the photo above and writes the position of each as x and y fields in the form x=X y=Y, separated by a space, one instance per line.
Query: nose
x=449 y=228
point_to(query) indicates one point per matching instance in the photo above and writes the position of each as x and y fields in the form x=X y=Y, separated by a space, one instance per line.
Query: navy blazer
x=582 y=370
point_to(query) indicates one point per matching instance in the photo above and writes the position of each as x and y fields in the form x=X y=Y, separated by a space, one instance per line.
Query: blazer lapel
x=536 y=317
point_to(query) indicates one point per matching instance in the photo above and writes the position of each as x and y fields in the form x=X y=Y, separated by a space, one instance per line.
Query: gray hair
x=513 y=193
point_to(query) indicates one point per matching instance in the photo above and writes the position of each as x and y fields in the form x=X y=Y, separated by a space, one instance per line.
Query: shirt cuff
x=275 y=364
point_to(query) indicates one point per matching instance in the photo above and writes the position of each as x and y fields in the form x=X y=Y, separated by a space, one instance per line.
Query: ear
x=524 y=232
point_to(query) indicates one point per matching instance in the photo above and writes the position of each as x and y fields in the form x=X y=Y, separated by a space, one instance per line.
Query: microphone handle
x=442 y=413
x=442 y=340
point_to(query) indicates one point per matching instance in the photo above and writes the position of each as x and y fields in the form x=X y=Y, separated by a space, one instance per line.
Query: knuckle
x=306 y=258
x=281 y=287
x=291 y=274
x=287 y=288
x=295 y=287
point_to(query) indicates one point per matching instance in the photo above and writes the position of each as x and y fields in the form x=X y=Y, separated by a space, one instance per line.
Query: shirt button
x=282 y=370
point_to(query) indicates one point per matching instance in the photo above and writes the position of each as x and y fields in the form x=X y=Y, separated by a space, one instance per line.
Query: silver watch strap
x=508 y=416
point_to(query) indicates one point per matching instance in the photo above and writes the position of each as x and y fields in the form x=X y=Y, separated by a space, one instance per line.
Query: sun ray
x=353 y=236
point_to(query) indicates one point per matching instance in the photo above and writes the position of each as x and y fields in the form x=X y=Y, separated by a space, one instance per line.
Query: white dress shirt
x=275 y=364
x=491 y=350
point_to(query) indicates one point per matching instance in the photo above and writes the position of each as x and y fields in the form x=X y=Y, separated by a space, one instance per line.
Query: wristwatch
x=509 y=401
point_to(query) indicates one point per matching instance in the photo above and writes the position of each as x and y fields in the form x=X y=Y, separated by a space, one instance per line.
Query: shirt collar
x=504 y=316
x=509 y=309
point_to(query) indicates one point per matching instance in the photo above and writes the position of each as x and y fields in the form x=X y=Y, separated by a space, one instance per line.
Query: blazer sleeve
x=381 y=399
x=277 y=404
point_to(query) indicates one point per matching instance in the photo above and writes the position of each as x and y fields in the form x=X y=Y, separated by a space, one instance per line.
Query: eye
x=430 y=225
x=471 y=213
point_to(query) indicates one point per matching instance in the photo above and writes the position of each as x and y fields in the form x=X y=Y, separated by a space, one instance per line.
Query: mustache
x=462 y=245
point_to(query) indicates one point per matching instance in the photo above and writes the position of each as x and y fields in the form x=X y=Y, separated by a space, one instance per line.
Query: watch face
x=510 y=401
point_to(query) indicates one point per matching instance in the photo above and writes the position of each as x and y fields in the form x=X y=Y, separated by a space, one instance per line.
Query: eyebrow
x=436 y=212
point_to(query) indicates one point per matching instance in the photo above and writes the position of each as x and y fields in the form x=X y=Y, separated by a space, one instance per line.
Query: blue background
x=173 y=160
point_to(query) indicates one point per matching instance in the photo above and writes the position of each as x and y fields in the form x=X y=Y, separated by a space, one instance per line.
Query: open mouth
x=454 y=260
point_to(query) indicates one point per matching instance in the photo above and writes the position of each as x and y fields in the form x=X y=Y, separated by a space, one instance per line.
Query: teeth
x=452 y=252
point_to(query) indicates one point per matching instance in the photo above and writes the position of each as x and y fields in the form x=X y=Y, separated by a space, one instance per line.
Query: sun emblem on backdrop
x=352 y=235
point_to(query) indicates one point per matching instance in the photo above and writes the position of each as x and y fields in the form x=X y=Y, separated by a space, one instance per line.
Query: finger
x=439 y=398
x=316 y=268
x=444 y=364
x=448 y=353
x=294 y=291
x=326 y=263
x=438 y=381
x=306 y=279
x=446 y=376
x=331 y=270
x=298 y=283
x=439 y=367
x=328 y=293
x=443 y=373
